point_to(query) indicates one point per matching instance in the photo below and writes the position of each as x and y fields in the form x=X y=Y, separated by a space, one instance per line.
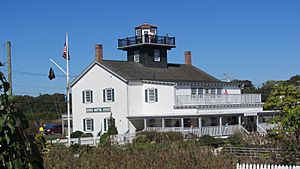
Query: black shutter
x=91 y=96
x=156 y=96
x=92 y=121
x=83 y=124
x=113 y=94
x=105 y=125
x=104 y=96
x=83 y=99
x=146 y=96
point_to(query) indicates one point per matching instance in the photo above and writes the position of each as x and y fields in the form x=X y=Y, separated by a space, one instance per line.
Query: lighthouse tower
x=146 y=47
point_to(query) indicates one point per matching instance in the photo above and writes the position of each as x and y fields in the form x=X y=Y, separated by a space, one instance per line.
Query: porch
x=212 y=125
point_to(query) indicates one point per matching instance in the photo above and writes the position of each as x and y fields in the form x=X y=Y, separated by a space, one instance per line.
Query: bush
x=159 y=137
x=142 y=138
x=105 y=139
x=77 y=134
x=210 y=141
x=235 y=140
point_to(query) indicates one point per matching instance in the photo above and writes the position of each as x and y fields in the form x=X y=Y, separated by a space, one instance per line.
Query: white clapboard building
x=145 y=92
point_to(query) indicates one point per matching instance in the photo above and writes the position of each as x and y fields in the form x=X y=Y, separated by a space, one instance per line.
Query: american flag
x=65 y=52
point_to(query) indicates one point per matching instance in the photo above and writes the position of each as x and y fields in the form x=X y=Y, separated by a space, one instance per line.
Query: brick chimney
x=188 y=57
x=99 y=53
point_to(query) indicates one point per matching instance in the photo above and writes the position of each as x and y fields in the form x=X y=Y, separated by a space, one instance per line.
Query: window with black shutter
x=151 y=95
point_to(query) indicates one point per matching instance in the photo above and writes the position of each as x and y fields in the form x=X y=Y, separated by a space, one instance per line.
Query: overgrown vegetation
x=177 y=155
x=16 y=150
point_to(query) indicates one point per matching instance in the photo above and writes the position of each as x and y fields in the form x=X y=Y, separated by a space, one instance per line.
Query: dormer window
x=136 y=56
x=156 y=55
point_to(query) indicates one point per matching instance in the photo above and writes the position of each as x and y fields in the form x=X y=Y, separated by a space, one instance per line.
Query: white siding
x=97 y=79
x=165 y=103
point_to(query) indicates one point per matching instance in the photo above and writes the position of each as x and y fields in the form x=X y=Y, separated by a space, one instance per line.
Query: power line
x=36 y=74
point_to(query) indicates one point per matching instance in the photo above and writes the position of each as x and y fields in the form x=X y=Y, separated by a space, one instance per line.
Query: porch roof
x=161 y=116
x=271 y=112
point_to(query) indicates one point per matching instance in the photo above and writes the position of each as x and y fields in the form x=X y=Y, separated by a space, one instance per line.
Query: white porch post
x=257 y=120
x=220 y=121
x=200 y=125
x=145 y=124
x=63 y=126
x=240 y=121
x=182 y=123
x=163 y=123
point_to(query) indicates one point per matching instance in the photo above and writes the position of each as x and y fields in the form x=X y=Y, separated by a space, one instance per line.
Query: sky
x=255 y=40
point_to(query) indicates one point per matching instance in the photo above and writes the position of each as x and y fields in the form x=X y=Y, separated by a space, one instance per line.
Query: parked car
x=53 y=129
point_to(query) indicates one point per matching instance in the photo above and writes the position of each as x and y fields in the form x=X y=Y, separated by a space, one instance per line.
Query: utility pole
x=8 y=45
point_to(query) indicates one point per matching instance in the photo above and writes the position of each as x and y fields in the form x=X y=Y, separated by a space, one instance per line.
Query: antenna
x=226 y=78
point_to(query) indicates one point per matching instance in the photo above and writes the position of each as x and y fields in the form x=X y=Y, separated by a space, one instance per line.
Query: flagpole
x=68 y=89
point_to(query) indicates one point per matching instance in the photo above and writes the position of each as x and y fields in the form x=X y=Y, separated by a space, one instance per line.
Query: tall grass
x=188 y=154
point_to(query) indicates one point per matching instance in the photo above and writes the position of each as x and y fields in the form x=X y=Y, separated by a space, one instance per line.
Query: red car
x=53 y=129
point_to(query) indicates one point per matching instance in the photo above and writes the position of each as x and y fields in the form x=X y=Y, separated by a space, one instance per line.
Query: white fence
x=120 y=139
x=81 y=141
x=265 y=166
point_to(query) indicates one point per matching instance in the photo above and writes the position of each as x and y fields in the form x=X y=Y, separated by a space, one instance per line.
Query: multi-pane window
x=87 y=96
x=108 y=95
x=197 y=92
x=156 y=55
x=88 y=124
x=136 y=56
x=219 y=92
x=213 y=93
x=151 y=95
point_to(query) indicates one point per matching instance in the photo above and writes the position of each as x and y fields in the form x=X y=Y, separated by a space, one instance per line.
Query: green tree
x=15 y=149
x=286 y=99
x=246 y=86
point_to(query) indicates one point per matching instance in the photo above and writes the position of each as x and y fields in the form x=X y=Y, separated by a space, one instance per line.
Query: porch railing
x=199 y=131
x=217 y=99
x=150 y=39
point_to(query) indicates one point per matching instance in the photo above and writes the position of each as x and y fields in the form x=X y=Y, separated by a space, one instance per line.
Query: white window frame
x=156 y=55
x=89 y=124
x=197 y=92
x=219 y=92
x=213 y=92
x=88 y=96
x=151 y=95
x=109 y=95
x=136 y=56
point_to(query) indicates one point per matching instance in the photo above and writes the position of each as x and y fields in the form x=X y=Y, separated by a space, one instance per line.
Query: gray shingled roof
x=174 y=73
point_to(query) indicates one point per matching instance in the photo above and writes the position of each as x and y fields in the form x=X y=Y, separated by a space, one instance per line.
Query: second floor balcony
x=146 y=39
x=217 y=99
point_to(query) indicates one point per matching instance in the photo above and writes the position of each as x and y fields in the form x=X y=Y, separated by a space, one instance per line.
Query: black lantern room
x=146 y=47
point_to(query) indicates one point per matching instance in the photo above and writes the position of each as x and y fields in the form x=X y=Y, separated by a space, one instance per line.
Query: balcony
x=146 y=39
x=182 y=100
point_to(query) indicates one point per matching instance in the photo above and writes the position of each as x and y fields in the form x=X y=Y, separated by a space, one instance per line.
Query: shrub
x=235 y=140
x=160 y=137
x=77 y=134
x=142 y=138
x=210 y=141
x=105 y=139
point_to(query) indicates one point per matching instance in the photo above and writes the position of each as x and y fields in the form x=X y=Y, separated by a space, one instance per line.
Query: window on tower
x=156 y=55
x=136 y=56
